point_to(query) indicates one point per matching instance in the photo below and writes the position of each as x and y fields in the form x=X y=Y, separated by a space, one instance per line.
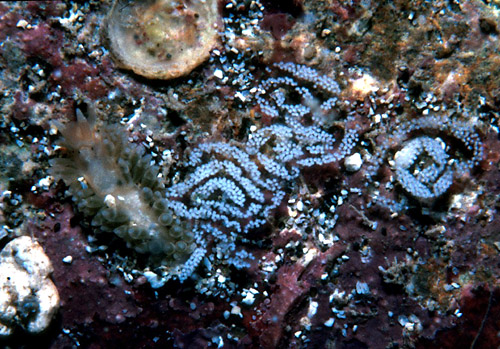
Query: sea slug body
x=115 y=183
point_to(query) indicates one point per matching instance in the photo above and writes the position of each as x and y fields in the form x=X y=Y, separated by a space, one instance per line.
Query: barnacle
x=116 y=184
x=162 y=39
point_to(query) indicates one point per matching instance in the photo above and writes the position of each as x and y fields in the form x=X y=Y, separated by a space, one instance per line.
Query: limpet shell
x=162 y=39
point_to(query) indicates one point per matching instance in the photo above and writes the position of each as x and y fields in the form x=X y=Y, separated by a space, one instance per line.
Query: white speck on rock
x=329 y=322
x=249 y=298
x=67 y=259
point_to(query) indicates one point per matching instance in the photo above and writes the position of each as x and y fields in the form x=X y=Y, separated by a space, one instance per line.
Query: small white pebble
x=236 y=310
x=353 y=163
x=329 y=322
x=240 y=96
x=313 y=308
x=53 y=130
x=67 y=259
x=22 y=23
x=249 y=299
x=46 y=182
x=218 y=74
x=300 y=206
x=154 y=280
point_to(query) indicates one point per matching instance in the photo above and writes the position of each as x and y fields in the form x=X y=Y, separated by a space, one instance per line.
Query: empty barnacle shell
x=162 y=39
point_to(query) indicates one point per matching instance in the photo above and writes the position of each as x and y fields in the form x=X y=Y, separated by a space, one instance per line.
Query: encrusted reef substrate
x=364 y=243
x=231 y=188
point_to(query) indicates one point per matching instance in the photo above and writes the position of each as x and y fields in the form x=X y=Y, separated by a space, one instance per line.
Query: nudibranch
x=116 y=183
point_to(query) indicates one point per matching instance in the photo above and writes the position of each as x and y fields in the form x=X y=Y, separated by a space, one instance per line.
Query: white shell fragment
x=28 y=298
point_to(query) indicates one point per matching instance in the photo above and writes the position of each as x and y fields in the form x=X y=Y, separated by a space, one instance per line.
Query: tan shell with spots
x=162 y=39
